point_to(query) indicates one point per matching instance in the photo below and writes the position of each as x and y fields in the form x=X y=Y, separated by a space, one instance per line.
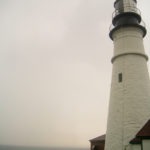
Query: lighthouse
x=129 y=105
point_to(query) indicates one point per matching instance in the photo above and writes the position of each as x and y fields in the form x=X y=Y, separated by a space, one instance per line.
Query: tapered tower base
x=129 y=107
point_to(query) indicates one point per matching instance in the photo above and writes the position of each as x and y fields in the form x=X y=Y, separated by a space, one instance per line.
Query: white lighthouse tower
x=129 y=107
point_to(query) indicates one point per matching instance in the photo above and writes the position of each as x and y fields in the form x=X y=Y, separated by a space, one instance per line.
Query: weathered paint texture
x=129 y=107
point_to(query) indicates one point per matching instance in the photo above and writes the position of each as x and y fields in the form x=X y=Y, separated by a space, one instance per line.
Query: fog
x=55 y=70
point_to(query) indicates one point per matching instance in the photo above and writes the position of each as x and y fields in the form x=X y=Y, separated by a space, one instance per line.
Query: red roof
x=99 y=138
x=145 y=131
x=136 y=141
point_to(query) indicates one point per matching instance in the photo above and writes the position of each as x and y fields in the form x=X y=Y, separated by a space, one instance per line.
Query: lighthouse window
x=120 y=77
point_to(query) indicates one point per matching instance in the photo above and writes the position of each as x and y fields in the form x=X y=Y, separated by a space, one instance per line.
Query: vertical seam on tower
x=123 y=104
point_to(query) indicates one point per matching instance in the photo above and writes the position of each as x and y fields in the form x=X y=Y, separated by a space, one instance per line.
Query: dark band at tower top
x=126 y=14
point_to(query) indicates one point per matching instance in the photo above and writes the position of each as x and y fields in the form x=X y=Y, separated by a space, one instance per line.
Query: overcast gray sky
x=55 y=70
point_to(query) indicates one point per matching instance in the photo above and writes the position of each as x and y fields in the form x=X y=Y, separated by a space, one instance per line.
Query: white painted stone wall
x=133 y=147
x=146 y=144
x=136 y=147
x=129 y=107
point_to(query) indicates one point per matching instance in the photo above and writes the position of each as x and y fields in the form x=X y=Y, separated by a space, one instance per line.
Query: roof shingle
x=145 y=131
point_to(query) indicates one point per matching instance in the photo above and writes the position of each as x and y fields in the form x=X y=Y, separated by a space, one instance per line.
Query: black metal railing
x=142 y=23
x=125 y=10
